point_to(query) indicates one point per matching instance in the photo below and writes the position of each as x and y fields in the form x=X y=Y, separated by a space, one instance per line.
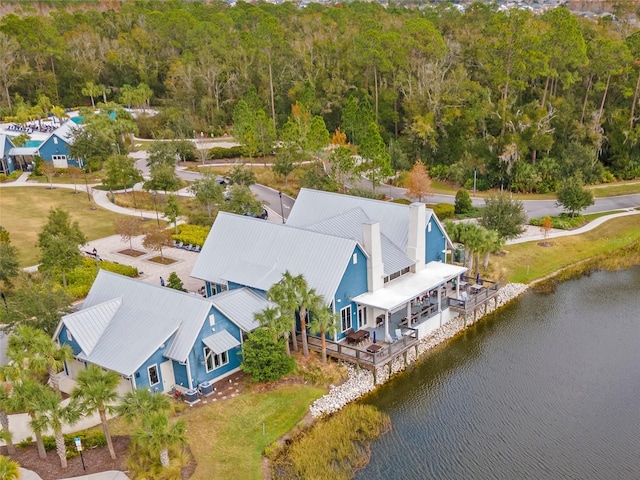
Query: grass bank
x=526 y=262
x=344 y=438
x=24 y=210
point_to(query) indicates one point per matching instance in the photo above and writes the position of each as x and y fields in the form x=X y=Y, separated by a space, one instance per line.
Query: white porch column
x=458 y=286
x=440 y=303
x=387 y=337
x=409 y=314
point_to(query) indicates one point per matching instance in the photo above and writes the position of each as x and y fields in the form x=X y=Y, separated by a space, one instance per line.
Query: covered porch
x=416 y=302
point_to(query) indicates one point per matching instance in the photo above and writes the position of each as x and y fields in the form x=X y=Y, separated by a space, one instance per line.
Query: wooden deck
x=477 y=296
x=359 y=354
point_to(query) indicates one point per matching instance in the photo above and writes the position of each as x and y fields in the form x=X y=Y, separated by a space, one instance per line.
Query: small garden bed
x=163 y=261
x=132 y=252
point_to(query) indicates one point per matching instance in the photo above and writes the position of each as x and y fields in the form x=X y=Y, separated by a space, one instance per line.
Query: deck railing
x=359 y=353
x=476 y=296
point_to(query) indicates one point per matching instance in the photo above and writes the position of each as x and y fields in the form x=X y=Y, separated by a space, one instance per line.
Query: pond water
x=547 y=388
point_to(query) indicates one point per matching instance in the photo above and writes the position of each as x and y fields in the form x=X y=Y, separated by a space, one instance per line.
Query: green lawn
x=526 y=262
x=615 y=189
x=24 y=210
x=226 y=438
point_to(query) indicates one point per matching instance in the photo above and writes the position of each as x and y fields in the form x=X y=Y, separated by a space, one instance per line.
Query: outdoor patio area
x=371 y=347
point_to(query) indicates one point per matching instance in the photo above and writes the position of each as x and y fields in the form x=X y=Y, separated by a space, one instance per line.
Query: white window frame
x=362 y=316
x=58 y=157
x=55 y=140
x=214 y=360
x=212 y=320
x=69 y=336
x=153 y=367
x=355 y=258
x=346 y=320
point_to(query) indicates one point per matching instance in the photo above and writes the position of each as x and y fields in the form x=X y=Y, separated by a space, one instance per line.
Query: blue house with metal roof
x=53 y=149
x=367 y=258
x=6 y=162
x=158 y=338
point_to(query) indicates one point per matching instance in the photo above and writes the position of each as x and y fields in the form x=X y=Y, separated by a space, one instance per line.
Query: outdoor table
x=476 y=288
x=374 y=348
x=357 y=336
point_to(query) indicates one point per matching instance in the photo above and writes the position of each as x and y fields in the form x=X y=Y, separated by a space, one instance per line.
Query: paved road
x=268 y=196
x=533 y=208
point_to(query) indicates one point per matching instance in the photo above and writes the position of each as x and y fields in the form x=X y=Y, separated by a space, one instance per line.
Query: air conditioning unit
x=205 y=388
x=191 y=396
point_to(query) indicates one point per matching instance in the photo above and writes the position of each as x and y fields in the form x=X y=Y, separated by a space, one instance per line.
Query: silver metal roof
x=221 y=342
x=240 y=305
x=349 y=225
x=402 y=290
x=66 y=130
x=147 y=318
x=3 y=143
x=313 y=206
x=256 y=253
x=87 y=326
x=23 y=151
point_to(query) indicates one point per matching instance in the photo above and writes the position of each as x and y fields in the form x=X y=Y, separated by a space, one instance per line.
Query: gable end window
x=212 y=320
x=69 y=336
x=355 y=258
x=154 y=378
x=214 y=360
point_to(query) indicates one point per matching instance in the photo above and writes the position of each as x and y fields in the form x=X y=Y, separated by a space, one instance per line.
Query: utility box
x=206 y=388
x=191 y=396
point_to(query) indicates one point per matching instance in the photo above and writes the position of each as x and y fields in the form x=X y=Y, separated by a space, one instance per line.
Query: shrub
x=439 y=172
x=562 y=221
x=463 y=202
x=3 y=178
x=219 y=152
x=192 y=234
x=360 y=192
x=26 y=442
x=264 y=358
x=80 y=279
x=444 y=211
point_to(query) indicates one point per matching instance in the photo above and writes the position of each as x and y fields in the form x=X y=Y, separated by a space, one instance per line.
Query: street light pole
x=475 y=175
x=281 y=207
x=155 y=205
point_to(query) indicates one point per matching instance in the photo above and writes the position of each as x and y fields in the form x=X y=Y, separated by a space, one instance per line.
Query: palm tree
x=5 y=390
x=492 y=243
x=157 y=435
x=36 y=353
x=323 y=320
x=96 y=389
x=9 y=470
x=277 y=294
x=135 y=404
x=276 y=321
x=24 y=398
x=296 y=295
x=52 y=414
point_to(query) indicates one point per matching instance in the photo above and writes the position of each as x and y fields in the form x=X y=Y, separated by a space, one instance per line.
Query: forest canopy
x=521 y=99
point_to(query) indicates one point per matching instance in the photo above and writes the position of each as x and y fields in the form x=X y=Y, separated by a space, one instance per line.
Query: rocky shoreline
x=361 y=381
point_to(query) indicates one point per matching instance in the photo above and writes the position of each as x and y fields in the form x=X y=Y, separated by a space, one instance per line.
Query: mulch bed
x=96 y=460
x=132 y=253
x=163 y=261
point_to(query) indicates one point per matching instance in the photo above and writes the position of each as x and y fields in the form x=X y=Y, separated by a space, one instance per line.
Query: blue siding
x=233 y=285
x=180 y=374
x=142 y=381
x=50 y=148
x=63 y=338
x=435 y=243
x=196 y=358
x=353 y=283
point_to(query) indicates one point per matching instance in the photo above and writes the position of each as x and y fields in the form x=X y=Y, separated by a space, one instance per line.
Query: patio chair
x=178 y=245
x=189 y=247
x=398 y=335
x=197 y=249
